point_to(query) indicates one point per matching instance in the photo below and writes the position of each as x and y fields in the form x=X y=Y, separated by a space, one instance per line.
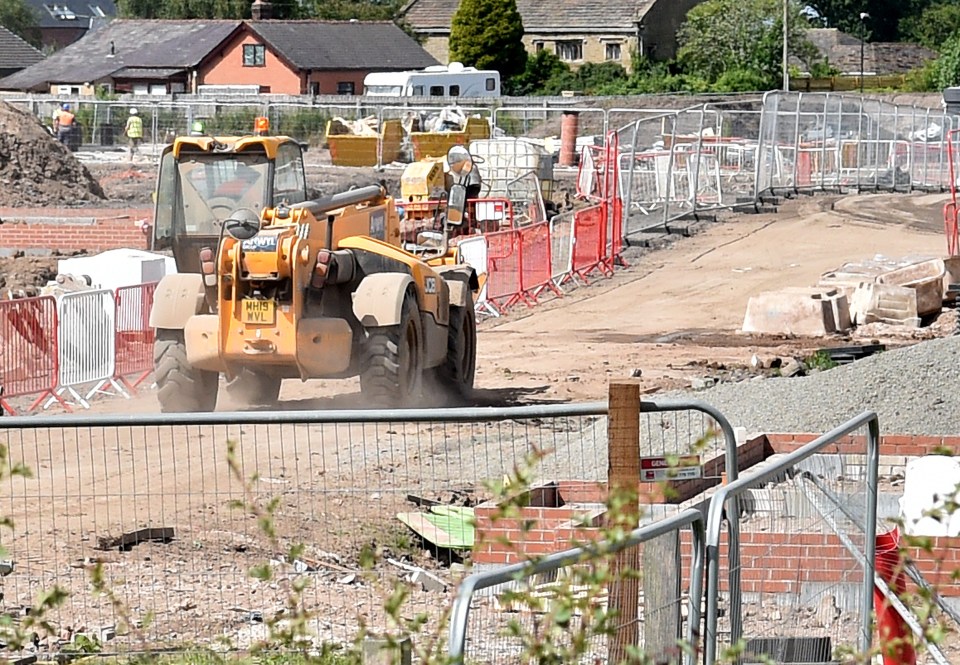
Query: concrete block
x=884 y=303
x=805 y=311
x=926 y=278
x=951 y=276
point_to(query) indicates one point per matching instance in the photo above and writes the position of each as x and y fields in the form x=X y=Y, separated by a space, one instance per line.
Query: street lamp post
x=863 y=38
x=786 y=32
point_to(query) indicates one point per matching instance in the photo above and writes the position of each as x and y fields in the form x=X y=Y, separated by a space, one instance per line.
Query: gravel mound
x=36 y=169
x=914 y=390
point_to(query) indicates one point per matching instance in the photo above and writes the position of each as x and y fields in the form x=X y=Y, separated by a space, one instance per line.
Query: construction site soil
x=670 y=317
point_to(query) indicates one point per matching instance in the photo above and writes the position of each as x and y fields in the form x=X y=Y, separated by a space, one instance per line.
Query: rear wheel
x=392 y=373
x=181 y=387
x=255 y=388
x=456 y=374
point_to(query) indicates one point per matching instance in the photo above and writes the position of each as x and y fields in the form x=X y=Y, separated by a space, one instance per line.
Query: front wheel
x=392 y=373
x=180 y=386
x=456 y=375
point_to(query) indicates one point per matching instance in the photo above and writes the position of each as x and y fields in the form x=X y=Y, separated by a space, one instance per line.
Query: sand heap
x=36 y=169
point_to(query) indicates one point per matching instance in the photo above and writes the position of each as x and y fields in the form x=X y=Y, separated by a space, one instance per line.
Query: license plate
x=258 y=312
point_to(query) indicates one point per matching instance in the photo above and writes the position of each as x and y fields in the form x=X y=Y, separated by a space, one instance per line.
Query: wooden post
x=623 y=474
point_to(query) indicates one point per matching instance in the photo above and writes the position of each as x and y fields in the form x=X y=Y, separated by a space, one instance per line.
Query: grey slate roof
x=843 y=52
x=71 y=13
x=16 y=53
x=137 y=43
x=540 y=15
x=343 y=44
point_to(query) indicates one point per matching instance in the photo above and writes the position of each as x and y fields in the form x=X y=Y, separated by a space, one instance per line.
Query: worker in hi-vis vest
x=134 y=131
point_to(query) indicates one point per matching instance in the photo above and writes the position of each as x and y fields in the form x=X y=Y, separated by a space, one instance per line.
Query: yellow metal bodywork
x=269 y=144
x=282 y=338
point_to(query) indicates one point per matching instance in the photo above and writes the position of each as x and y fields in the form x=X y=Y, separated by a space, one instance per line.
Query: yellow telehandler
x=272 y=286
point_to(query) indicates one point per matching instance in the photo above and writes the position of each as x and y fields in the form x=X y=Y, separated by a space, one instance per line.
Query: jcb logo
x=430 y=285
x=260 y=244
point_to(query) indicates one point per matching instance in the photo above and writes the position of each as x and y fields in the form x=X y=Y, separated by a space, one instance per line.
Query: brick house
x=161 y=57
x=312 y=57
x=578 y=32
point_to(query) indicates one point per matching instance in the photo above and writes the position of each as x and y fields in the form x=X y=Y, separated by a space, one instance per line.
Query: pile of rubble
x=37 y=170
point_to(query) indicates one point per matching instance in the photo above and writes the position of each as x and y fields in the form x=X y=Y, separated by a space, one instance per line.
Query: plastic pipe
x=896 y=639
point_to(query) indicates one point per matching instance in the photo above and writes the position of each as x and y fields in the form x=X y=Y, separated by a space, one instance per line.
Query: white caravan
x=454 y=80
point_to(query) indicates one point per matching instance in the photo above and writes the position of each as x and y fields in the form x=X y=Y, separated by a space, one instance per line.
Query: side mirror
x=243 y=224
x=456 y=205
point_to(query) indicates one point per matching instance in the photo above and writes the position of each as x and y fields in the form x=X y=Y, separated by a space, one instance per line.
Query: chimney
x=262 y=10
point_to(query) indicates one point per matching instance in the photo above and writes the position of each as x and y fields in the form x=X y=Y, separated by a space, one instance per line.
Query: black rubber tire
x=457 y=372
x=180 y=387
x=392 y=371
x=255 y=388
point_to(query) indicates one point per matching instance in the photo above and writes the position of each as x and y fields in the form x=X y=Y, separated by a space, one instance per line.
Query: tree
x=362 y=10
x=885 y=16
x=488 y=34
x=946 y=70
x=721 y=36
x=20 y=19
x=543 y=71
x=208 y=9
x=934 y=26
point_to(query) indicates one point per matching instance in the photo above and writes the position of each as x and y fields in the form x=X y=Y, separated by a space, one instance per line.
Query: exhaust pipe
x=322 y=206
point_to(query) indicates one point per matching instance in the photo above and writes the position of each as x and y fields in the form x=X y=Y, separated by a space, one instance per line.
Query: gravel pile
x=913 y=391
x=35 y=168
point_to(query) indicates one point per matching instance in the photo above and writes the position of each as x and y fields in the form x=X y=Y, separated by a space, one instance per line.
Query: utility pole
x=786 y=32
x=863 y=38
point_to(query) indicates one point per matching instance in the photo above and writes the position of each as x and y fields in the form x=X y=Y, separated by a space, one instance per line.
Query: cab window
x=289 y=184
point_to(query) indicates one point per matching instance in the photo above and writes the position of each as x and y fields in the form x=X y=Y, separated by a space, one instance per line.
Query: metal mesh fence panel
x=793 y=567
x=498 y=613
x=151 y=501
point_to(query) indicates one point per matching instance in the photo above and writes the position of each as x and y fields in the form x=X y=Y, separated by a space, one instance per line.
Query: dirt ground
x=673 y=314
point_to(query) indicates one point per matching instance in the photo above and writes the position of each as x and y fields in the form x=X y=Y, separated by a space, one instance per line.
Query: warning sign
x=655 y=469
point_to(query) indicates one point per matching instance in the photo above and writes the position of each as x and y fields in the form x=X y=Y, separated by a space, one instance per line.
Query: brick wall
x=771 y=562
x=36 y=230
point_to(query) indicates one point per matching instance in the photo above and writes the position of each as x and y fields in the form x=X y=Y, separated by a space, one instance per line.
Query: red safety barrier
x=536 y=266
x=896 y=639
x=28 y=350
x=134 y=336
x=951 y=228
x=589 y=247
x=951 y=210
x=504 y=264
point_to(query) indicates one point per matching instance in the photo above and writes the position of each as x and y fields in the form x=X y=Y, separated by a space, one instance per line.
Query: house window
x=538 y=46
x=569 y=51
x=254 y=55
x=454 y=90
x=612 y=51
x=436 y=91
x=345 y=88
x=314 y=88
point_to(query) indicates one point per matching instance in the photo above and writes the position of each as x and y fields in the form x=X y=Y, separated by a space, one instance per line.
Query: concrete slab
x=926 y=278
x=884 y=303
x=798 y=310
